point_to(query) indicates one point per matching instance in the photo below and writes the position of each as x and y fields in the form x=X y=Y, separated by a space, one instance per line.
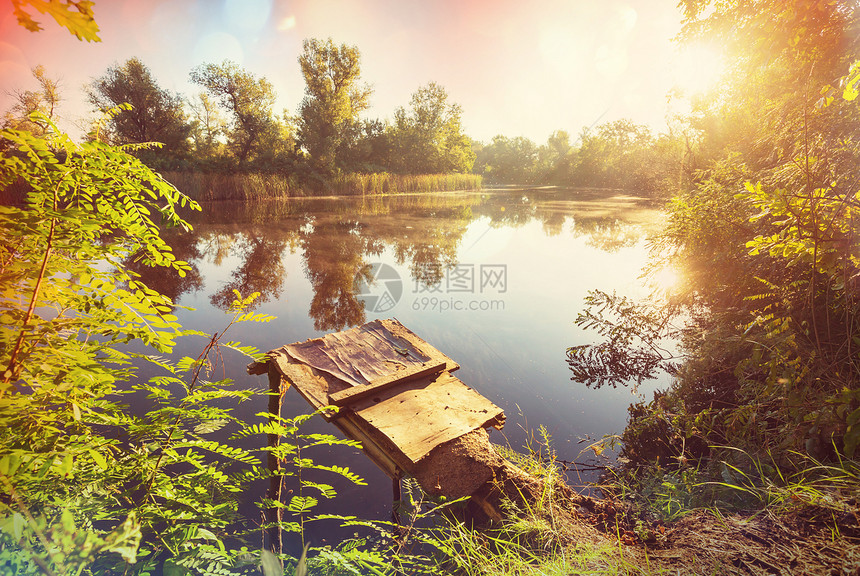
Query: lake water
x=493 y=279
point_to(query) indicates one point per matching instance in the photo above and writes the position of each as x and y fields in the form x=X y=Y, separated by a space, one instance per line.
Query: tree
x=615 y=155
x=366 y=147
x=428 y=138
x=508 y=160
x=156 y=115
x=552 y=157
x=249 y=102
x=765 y=239
x=207 y=127
x=44 y=100
x=333 y=100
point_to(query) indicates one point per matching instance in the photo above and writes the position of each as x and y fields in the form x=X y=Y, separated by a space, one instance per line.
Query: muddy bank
x=805 y=541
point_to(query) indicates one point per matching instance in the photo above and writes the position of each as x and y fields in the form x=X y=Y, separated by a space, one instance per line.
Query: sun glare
x=698 y=68
x=665 y=279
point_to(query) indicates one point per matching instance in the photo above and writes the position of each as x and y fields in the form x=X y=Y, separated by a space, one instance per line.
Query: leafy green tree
x=44 y=100
x=90 y=488
x=248 y=100
x=208 y=127
x=64 y=316
x=156 y=115
x=508 y=160
x=552 y=158
x=366 y=147
x=766 y=242
x=428 y=138
x=615 y=155
x=334 y=98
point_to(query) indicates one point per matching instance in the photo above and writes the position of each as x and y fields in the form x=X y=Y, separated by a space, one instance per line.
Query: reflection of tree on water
x=430 y=248
x=608 y=234
x=590 y=216
x=340 y=240
x=334 y=252
x=261 y=270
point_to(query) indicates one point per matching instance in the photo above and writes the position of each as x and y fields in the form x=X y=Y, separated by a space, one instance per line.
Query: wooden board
x=427 y=412
x=362 y=354
x=398 y=398
x=398 y=378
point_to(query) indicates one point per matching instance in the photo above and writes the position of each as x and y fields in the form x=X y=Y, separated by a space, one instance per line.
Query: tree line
x=619 y=154
x=231 y=125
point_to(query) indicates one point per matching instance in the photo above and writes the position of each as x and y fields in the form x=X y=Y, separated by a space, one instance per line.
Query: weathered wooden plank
x=426 y=412
x=352 y=395
x=376 y=447
x=399 y=330
x=359 y=355
x=313 y=388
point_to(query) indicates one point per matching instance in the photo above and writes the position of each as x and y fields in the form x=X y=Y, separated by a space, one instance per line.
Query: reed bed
x=353 y=184
x=202 y=186
x=208 y=186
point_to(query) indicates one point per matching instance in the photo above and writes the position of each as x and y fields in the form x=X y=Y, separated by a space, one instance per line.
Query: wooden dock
x=394 y=393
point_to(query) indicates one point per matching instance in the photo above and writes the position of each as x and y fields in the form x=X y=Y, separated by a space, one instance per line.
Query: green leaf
x=302 y=564
x=270 y=564
x=98 y=459
x=301 y=504
x=173 y=569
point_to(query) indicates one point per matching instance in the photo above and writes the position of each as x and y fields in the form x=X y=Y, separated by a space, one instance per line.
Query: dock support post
x=274 y=515
x=395 y=503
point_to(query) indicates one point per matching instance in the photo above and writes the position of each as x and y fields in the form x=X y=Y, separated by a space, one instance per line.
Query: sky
x=517 y=68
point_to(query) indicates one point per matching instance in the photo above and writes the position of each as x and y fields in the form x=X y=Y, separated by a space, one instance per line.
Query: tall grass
x=203 y=186
x=207 y=186
x=531 y=539
x=386 y=183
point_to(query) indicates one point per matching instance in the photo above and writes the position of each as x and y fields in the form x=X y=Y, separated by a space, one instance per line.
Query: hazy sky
x=517 y=67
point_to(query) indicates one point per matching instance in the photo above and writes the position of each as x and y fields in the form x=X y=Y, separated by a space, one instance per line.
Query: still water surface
x=493 y=279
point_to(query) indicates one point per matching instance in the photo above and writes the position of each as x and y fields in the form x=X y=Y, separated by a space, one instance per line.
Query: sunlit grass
x=203 y=186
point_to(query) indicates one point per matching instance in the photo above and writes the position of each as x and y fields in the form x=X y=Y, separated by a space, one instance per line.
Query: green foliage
x=508 y=160
x=530 y=539
x=93 y=489
x=328 y=115
x=618 y=154
x=89 y=206
x=631 y=346
x=248 y=100
x=766 y=242
x=428 y=138
x=156 y=115
x=852 y=83
x=74 y=15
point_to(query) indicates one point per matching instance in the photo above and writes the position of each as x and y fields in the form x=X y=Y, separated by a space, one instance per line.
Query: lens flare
x=698 y=68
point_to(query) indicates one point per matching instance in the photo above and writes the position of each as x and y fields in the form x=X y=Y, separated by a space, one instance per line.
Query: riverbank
x=562 y=532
